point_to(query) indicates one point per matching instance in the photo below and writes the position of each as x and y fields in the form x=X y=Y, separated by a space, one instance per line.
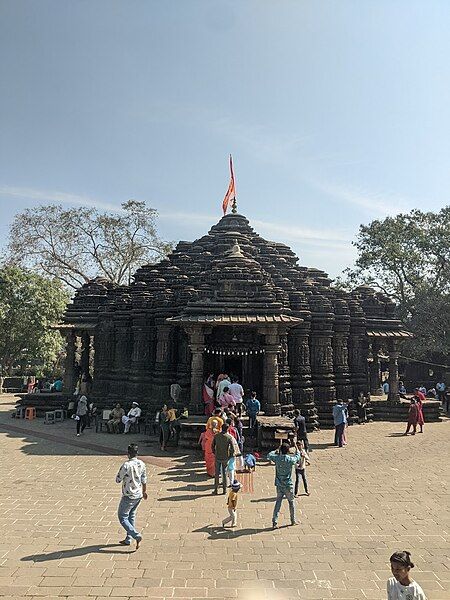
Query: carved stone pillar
x=393 y=373
x=300 y=365
x=69 y=364
x=162 y=345
x=374 y=370
x=284 y=375
x=162 y=374
x=197 y=347
x=358 y=349
x=141 y=348
x=183 y=366
x=122 y=346
x=85 y=353
x=271 y=400
x=103 y=356
x=322 y=357
x=340 y=349
x=299 y=359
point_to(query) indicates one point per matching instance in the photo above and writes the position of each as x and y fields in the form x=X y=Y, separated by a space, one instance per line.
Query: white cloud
x=292 y=152
x=326 y=238
x=375 y=203
x=56 y=197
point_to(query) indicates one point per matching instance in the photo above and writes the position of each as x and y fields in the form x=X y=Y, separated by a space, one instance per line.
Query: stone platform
x=267 y=427
x=387 y=411
x=43 y=402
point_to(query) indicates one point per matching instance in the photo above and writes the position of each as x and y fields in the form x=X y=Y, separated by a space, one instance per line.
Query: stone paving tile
x=58 y=504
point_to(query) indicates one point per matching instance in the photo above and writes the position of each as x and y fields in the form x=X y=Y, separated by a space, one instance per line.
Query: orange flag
x=230 y=196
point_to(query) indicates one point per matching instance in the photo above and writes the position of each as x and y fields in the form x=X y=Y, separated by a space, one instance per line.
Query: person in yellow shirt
x=232 y=504
x=217 y=417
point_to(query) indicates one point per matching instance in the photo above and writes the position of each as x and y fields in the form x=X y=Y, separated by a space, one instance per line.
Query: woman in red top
x=413 y=417
x=420 y=397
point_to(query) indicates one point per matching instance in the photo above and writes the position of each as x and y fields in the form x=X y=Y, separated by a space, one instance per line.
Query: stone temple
x=231 y=302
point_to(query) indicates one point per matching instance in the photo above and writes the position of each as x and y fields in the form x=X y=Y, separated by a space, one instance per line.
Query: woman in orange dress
x=210 y=459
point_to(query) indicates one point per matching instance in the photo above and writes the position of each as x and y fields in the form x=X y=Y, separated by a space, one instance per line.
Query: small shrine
x=231 y=302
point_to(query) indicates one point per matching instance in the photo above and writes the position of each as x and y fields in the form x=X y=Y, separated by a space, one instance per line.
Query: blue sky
x=336 y=112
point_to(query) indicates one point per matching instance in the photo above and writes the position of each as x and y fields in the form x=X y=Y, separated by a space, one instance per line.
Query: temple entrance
x=247 y=368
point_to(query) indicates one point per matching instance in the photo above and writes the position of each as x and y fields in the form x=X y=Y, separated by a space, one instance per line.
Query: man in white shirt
x=237 y=391
x=133 y=415
x=133 y=477
x=221 y=387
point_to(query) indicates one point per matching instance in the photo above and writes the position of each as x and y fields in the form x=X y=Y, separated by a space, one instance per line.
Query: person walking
x=237 y=391
x=440 y=389
x=222 y=384
x=81 y=414
x=420 y=419
x=340 y=421
x=253 y=406
x=300 y=428
x=232 y=504
x=284 y=463
x=402 y=586
x=222 y=447
x=300 y=470
x=413 y=417
x=133 y=477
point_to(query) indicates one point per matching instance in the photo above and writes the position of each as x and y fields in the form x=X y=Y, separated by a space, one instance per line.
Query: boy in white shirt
x=402 y=586
x=133 y=477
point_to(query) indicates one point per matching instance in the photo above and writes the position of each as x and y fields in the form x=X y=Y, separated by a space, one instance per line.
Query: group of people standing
x=226 y=392
x=222 y=443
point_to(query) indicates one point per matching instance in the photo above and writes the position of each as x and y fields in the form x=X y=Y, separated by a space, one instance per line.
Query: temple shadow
x=220 y=533
x=75 y=552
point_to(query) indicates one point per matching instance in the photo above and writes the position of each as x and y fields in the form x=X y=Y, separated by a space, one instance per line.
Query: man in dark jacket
x=300 y=429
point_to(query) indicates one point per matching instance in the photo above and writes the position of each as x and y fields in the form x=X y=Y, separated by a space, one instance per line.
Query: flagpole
x=234 y=205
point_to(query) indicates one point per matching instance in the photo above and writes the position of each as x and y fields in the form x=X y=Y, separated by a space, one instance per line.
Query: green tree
x=29 y=304
x=76 y=244
x=408 y=258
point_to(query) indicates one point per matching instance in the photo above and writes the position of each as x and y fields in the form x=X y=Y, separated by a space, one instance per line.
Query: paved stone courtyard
x=59 y=530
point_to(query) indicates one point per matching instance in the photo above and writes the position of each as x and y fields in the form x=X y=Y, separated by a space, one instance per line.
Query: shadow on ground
x=75 y=552
x=221 y=533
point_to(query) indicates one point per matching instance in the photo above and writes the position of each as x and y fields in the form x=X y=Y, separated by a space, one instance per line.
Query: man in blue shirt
x=283 y=480
x=253 y=406
x=340 y=421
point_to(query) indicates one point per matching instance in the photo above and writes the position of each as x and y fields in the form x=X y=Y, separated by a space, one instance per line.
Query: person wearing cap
x=232 y=504
x=133 y=477
x=133 y=415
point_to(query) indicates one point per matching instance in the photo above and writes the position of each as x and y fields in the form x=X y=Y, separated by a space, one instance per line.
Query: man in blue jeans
x=133 y=477
x=283 y=480
x=340 y=421
x=252 y=406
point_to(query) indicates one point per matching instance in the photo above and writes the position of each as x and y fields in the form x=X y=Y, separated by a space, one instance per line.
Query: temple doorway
x=248 y=368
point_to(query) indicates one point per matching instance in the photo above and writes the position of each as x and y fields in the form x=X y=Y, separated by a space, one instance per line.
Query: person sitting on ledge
x=133 y=415
x=115 y=418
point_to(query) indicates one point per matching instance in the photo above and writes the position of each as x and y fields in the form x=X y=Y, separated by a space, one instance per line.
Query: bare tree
x=77 y=244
